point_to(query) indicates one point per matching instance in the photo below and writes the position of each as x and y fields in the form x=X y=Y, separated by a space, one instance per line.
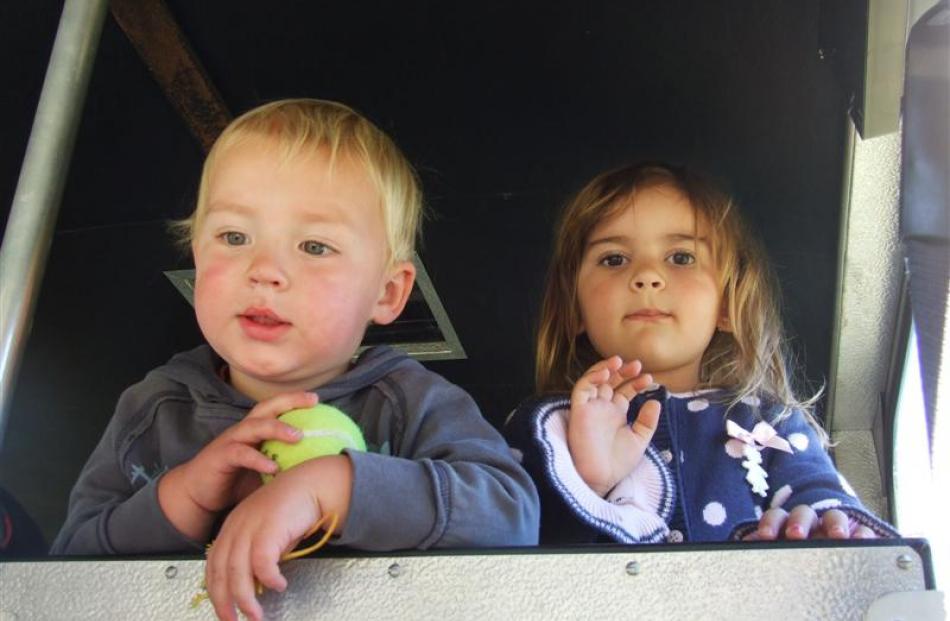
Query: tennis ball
x=326 y=431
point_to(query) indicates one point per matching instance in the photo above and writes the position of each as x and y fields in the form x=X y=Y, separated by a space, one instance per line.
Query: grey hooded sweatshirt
x=436 y=474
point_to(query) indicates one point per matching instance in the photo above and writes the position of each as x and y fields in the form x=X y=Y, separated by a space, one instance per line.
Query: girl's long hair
x=750 y=361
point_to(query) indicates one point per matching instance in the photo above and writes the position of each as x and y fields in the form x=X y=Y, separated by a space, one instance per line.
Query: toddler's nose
x=264 y=271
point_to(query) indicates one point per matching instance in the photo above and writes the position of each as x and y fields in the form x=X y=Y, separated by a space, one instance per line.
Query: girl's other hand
x=803 y=523
x=603 y=446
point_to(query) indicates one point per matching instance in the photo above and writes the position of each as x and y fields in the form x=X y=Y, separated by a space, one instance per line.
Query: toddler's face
x=290 y=266
x=647 y=287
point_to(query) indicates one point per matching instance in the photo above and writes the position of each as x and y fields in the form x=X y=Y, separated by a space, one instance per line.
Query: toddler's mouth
x=262 y=324
x=263 y=317
x=264 y=321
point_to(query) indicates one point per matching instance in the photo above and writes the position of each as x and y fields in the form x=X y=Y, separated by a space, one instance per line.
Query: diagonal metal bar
x=32 y=217
x=156 y=36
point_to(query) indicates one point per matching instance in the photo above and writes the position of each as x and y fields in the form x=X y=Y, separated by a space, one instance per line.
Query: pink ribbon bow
x=761 y=436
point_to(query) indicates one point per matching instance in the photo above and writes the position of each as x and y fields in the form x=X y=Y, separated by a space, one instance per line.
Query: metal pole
x=32 y=217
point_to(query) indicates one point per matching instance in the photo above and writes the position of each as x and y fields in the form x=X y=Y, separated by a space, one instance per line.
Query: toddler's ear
x=395 y=293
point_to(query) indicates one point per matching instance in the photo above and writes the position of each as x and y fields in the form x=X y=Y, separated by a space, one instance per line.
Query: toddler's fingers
x=863 y=532
x=275 y=406
x=216 y=581
x=254 y=431
x=648 y=418
x=244 y=456
x=264 y=564
x=834 y=524
x=605 y=392
x=801 y=522
x=770 y=524
x=241 y=579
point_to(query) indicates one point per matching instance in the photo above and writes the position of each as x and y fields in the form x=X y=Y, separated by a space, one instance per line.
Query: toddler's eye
x=233 y=238
x=315 y=248
x=613 y=260
x=682 y=258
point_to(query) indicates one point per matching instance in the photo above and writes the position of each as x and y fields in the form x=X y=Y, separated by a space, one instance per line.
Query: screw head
x=395 y=570
x=171 y=571
x=633 y=568
x=904 y=561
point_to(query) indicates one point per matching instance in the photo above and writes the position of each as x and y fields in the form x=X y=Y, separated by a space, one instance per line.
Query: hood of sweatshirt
x=199 y=370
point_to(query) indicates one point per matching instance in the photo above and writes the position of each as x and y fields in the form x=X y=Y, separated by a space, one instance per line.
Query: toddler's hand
x=255 y=535
x=226 y=470
x=804 y=523
x=603 y=446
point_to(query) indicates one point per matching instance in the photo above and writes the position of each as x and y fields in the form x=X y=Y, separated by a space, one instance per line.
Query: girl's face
x=647 y=287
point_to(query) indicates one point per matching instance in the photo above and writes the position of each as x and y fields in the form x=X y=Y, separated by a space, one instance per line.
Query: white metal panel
x=728 y=581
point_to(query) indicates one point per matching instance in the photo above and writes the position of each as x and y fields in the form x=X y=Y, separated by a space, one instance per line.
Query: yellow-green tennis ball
x=326 y=431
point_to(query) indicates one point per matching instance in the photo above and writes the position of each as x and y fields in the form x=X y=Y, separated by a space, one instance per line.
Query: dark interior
x=504 y=108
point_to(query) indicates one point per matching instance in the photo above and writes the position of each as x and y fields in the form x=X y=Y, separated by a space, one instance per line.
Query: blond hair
x=299 y=126
x=751 y=360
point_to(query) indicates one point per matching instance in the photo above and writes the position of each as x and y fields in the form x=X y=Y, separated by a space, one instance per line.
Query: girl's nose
x=647 y=279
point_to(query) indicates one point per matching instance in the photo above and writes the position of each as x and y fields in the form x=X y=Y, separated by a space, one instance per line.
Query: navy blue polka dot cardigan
x=695 y=483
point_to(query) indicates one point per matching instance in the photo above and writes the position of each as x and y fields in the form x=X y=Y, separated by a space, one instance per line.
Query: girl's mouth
x=648 y=314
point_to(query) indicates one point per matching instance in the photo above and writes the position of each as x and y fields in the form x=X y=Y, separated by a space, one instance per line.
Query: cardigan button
x=675 y=536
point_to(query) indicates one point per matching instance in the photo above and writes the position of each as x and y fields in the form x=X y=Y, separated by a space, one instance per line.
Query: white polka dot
x=667 y=456
x=697 y=405
x=735 y=448
x=828 y=503
x=799 y=441
x=682 y=457
x=783 y=494
x=675 y=536
x=518 y=455
x=714 y=514
x=846 y=486
x=758 y=512
x=751 y=400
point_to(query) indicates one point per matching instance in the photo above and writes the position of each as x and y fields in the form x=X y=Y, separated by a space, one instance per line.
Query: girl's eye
x=613 y=260
x=233 y=238
x=682 y=258
x=315 y=248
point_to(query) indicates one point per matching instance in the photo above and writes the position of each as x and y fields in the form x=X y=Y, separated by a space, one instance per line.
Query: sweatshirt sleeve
x=450 y=481
x=108 y=514
x=807 y=476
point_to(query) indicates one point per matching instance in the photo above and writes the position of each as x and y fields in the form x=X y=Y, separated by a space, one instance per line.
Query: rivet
x=904 y=561
x=395 y=570
x=633 y=568
x=171 y=571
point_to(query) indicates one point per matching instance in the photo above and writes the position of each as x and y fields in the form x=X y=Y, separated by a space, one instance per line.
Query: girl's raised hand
x=603 y=446
x=803 y=523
